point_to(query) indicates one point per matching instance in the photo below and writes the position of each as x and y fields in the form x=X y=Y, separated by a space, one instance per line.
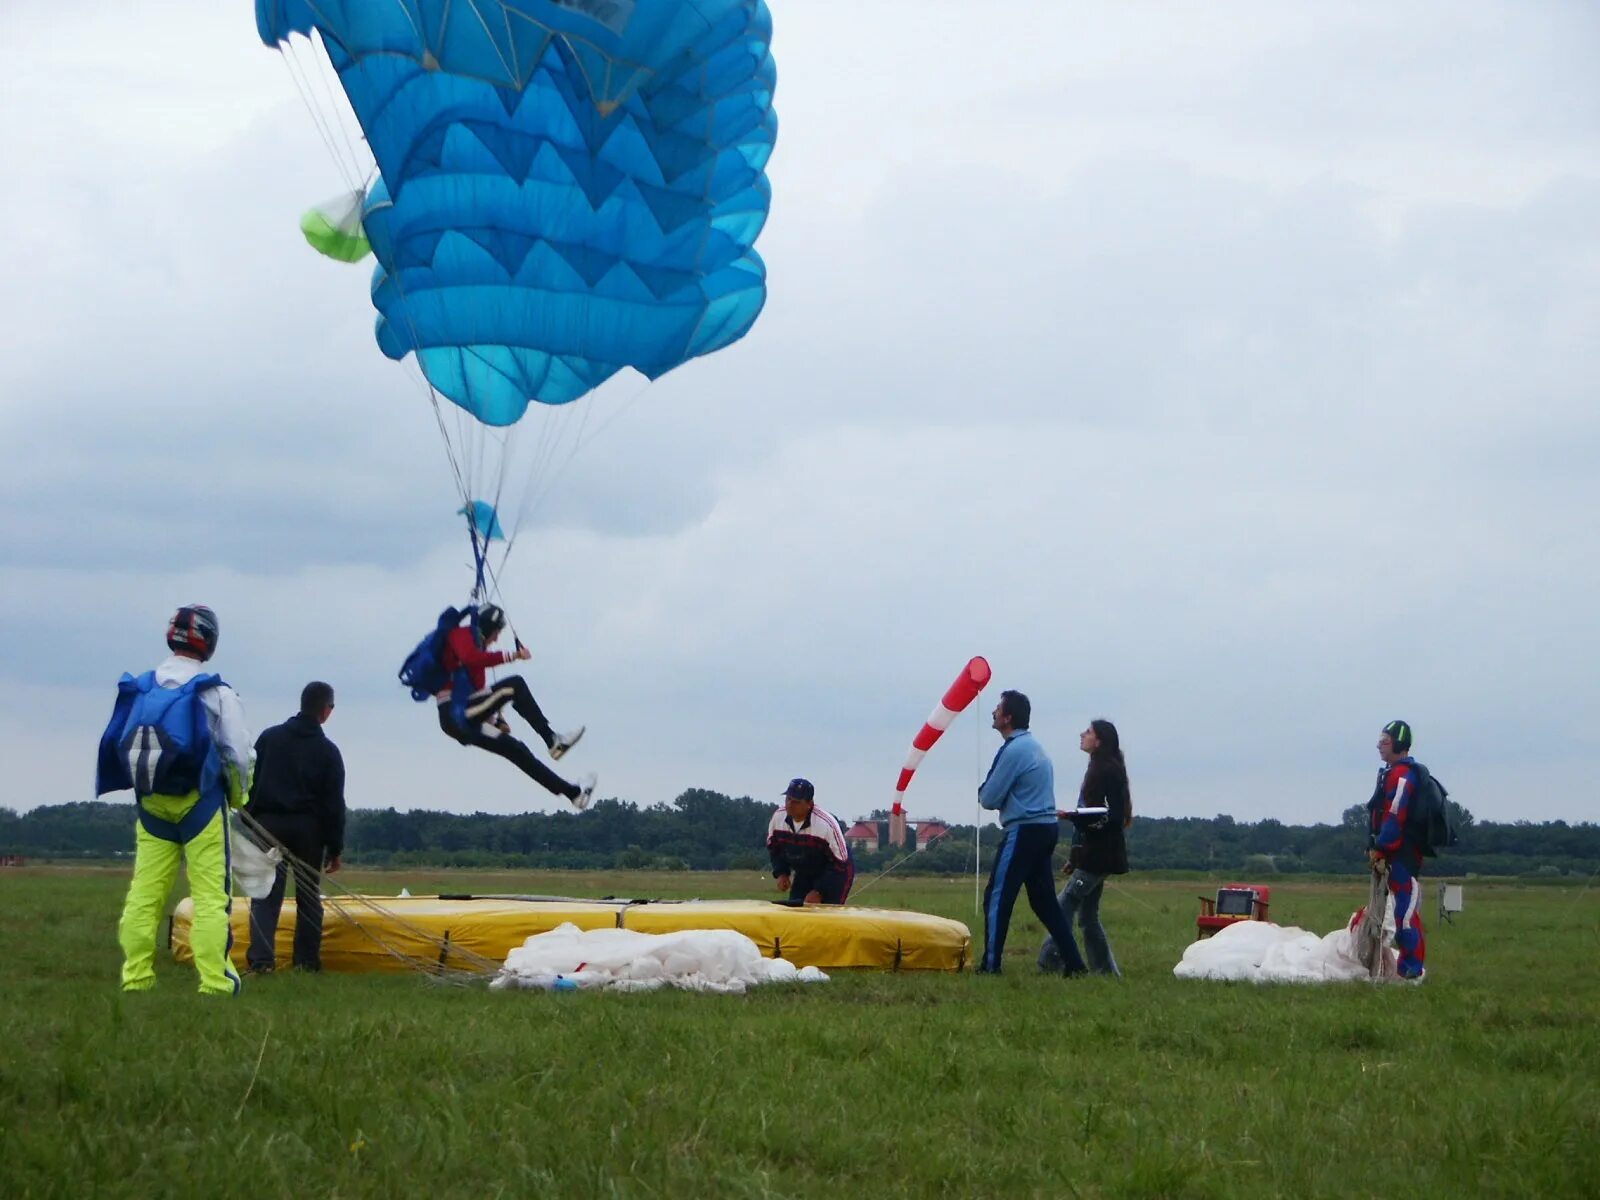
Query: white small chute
x=255 y=867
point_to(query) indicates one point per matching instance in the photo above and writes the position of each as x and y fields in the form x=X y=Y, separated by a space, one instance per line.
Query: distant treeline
x=706 y=830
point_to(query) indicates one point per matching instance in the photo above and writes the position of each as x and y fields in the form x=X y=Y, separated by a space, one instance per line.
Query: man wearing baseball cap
x=810 y=858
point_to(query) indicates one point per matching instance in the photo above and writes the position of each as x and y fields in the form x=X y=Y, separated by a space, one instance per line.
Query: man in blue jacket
x=1021 y=787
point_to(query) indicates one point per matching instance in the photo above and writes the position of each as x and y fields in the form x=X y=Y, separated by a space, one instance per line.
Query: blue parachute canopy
x=567 y=187
x=483 y=519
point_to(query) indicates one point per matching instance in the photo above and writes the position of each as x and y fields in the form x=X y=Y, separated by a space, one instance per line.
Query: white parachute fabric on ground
x=721 y=961
x=1262 y=952
x=254 y=867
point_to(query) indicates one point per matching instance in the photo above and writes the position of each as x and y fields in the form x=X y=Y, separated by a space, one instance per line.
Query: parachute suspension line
x=444 y=433
x=349 y=165
x=320 y=119
x=453 y=449
x=342 y=900
x=480 y=553
x=1134 y=896
x=904 y=857
x=479 y=537
x=1586 y=885
x=475 y=441
x=552 y=433
x=552 y=427
x=581 y=442
x=323 y=70
x=493 y=594
x=552 y=437
x=977 y=824
x=467 y=450
x=553 y=423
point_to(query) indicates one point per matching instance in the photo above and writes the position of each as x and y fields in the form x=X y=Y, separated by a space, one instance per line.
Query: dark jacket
x=811 y=854
x=1391 y=829
x=1098 y=842
x=300 y=773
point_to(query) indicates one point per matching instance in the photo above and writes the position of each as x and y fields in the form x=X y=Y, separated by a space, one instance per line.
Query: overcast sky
x=1226 y=370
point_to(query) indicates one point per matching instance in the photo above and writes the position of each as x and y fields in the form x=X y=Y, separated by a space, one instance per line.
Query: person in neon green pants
x=155 y=869
x=177 y=737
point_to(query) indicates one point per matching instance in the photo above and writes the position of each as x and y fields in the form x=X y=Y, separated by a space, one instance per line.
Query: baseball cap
x=800 y=789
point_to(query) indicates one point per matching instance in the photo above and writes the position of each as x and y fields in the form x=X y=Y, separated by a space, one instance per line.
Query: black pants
x=484 y=707
x=302 y=837
x=1024 y=862
x=833 y=884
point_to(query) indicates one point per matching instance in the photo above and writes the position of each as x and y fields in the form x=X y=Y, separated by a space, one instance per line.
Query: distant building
x=877 y=832
x=863 y=835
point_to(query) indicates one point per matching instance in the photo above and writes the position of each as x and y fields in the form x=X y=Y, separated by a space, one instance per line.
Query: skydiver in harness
x=478 y=721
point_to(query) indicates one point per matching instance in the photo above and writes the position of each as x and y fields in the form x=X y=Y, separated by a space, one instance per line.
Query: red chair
x=1233 y=902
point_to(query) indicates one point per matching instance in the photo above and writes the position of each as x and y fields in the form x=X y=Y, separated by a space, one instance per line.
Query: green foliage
x=706 y=830
x=1480 y=1083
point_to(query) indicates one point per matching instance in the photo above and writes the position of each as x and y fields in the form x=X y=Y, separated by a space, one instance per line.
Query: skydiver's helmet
x=491 y=619
x=193 y=631
x=1400 y=734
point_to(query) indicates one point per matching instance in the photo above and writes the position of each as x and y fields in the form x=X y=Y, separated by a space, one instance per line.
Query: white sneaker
x=581 y=800
x=565 y=742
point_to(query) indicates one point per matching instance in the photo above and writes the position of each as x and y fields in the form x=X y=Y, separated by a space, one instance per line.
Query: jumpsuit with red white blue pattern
x=1387 y=811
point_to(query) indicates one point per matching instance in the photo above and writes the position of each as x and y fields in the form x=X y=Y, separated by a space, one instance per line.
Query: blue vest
x=158 y=742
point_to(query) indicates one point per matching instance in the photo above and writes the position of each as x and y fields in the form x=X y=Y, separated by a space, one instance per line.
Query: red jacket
x=462 y=650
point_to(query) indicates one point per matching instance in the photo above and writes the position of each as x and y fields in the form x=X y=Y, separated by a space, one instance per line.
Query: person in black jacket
x=810 y=858
x=1099 y=848
x=298 y=797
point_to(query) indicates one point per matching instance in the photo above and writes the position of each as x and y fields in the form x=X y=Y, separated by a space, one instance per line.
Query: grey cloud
x=1247 y=455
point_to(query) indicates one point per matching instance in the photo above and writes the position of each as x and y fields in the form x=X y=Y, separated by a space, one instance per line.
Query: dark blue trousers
x=302 y=837
x=1024 y=862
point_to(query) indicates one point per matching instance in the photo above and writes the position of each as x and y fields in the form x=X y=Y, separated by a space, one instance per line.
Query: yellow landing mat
x=359 y=937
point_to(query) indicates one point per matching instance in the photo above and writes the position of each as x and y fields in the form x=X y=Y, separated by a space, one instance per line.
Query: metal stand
x=1450 y=901
x=1369 y=937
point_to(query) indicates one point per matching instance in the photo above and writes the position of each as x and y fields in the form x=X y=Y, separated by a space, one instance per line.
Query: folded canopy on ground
x=1262 y=952
x=717 y=961
x=358 y=937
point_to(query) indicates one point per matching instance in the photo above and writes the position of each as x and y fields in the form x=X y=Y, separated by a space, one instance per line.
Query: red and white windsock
x=973 y=679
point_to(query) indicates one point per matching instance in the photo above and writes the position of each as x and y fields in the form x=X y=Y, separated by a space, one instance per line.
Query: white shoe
x=565 y=742
x=581 y=800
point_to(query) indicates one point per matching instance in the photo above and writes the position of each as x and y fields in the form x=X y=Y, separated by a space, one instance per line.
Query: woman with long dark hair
x=1098 y=849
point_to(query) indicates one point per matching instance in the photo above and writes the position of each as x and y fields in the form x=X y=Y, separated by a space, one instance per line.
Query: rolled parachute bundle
x=973 y=679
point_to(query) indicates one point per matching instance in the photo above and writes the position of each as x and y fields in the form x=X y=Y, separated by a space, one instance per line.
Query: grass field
x=1481 y=1083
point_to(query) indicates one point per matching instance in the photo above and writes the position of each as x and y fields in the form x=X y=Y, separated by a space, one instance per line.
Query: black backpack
x=1428 y=824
